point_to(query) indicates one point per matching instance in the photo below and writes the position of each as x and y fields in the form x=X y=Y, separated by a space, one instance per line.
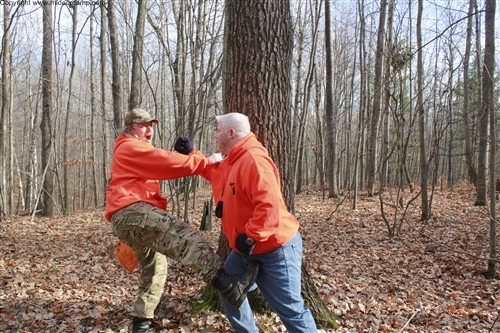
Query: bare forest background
x=399 y=94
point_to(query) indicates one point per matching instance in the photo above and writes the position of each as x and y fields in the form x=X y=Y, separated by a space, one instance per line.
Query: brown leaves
x=60 y=275
x=383 y=284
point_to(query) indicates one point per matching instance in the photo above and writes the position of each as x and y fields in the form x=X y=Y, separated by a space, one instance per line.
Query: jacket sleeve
x=144 y=161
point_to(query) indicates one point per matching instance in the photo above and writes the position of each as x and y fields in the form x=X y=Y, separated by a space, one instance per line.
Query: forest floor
x=61 y=275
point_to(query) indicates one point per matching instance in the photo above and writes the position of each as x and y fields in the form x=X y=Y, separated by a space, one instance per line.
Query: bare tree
x=93 y=113
x=66 y=208
x=483 y=115
x=421 y=116
x=5 y=108
x=371 y=162
x=104 y=106
x=302 y=109
x=331 y=144
x=135 y=99
x=115 y=67
x=359 y=152
x=471 y=170
x=46 y=124
x=387 y=99
x=487 y=105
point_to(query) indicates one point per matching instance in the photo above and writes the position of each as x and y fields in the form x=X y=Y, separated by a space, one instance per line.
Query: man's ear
x=232 y=133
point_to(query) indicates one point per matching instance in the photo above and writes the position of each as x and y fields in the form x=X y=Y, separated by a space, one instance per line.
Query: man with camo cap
x=137 y=210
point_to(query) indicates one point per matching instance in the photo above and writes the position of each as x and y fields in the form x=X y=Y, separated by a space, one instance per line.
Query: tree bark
x=93 y=117
x=5 y=108
x=377 y=97
x=135 y=100
x=66 y=208
x=421 y=117
x=331 y=144
x=471 y=170
x=258 y=63
x=488 y=106
x=46 y=123
x=258 y=58
x=115 y=67
x=105 y=122
x=481 y=199
x=302 y=111
x=385 y=143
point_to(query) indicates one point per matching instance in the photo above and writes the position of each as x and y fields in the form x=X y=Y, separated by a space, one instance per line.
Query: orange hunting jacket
x=136 y=169
x=248 y=183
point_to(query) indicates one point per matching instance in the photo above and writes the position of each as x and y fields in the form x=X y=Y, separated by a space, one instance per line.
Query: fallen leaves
x=60 y=274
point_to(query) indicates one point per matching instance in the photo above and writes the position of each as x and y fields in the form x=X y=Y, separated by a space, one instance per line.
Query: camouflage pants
x=153 y=234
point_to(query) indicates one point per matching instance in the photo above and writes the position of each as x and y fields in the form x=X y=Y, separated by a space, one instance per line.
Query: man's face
x=222 y=137
x=144 y=132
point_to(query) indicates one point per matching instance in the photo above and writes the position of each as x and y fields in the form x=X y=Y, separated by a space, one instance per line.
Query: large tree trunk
x=258 y=61
x=257 y=81
x=46 y=124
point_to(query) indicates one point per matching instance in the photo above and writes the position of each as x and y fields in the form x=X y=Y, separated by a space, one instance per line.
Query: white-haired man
x=258 y=226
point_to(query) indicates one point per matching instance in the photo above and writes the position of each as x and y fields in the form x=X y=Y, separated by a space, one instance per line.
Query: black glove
x=183 y=145
x=244 y=244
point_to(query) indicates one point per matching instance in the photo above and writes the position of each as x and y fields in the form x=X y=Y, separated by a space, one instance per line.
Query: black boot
x=140 y=325
x=235 y=289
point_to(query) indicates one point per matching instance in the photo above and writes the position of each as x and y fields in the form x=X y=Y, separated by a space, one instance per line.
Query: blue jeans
x=279 y=283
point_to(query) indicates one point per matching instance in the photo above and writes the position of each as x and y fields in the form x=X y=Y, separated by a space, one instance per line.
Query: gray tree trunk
x=481 y=199
x=5 y=108
x=371 y=163
x=93 y=117
x=46 y=123
x=331 y=148
x=105 y=122
x=385 y=143
x=471 y=170
x=115 y=67
x=488 y=106
x=66 y=207
x=135 y=100
x=421 y=117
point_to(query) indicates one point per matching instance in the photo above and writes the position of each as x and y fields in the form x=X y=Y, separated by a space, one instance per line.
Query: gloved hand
x=183 y=145
x=243 y=245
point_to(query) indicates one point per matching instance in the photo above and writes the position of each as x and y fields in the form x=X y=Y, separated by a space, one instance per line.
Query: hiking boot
x=140 y=325
x=235 y=289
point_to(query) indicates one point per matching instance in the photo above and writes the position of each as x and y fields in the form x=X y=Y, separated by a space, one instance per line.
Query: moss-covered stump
x=210 y=302
x=324 y=318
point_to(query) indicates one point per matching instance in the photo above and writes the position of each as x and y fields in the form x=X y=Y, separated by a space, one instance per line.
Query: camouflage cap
x=139 y=116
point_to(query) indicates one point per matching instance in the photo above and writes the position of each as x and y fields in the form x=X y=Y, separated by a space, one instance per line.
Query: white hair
x=237 y=121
